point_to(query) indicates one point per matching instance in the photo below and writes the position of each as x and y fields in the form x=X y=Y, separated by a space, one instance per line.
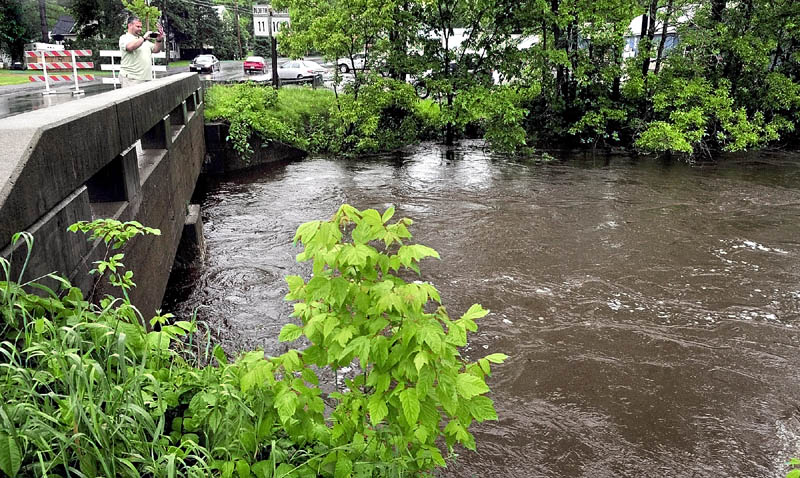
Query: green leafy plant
x=81 y=383
x=413 y=386
x=290 y=115
x=141 y=8
x=696 y=117
x=498 y=112
x=115 y=235
x=795 y=471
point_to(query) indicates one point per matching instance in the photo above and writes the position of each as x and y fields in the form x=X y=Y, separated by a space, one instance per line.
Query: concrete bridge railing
x=78 y=161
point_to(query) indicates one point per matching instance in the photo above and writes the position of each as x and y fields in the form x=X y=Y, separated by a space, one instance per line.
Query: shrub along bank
x=89 y=391
x=384 y=114
x=320 y=121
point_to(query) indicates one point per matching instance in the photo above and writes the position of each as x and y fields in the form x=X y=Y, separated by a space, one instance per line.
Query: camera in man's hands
x=153 y=35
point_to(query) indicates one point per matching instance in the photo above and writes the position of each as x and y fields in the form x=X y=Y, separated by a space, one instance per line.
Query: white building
x=634 y=33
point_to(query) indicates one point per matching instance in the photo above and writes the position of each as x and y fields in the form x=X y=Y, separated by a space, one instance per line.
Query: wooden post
x=273 y=52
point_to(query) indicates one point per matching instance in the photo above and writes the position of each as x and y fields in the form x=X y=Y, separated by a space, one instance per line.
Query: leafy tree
x=98 y=18
x=13 y=31
x=31 y=14
x=457 y=67
x=734 y=85
x=577 y=60
x=226 y=42
x=336 y=29
x=147 y=13
x=193 y=25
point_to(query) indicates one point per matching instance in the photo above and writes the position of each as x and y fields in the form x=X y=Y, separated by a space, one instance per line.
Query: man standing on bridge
x=137 y=51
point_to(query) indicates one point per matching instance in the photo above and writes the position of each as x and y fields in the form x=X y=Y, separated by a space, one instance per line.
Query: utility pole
x=273 y=51
x=43 y=20
x=238 y=32
x=166 y=34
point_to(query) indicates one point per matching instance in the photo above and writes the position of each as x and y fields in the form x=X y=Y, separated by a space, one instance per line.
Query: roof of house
x=63 y=26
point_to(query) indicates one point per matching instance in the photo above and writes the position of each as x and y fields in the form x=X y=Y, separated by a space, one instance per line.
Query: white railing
x=114 y=67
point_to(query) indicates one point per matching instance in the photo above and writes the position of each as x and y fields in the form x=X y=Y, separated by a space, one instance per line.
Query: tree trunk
x=449 y=136
x=615 y=89
x=558 y=44
x=648 y=19
x=733 y=63
x=394 y=36
x=642 y=32
x=777 y=55
x=166 y=32
x=660 y=55
x=544 y=49
x=573 y=82
x=43 y=21
x=398 y=43
x=717 y=8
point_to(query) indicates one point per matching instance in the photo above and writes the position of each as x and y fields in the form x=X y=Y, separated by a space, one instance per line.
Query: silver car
x=300 y=70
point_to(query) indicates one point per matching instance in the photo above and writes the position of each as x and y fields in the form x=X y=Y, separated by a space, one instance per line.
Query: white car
x=345 y=65
x=300 y=70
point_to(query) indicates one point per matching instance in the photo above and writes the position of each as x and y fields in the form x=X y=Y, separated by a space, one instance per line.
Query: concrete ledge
x=74 y=162
x=49 y=153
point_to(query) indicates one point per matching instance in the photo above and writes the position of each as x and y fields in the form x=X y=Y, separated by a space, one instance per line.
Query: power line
x=211 y=5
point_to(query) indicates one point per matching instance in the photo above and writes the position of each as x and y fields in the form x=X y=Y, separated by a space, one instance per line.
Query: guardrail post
x=77 y=91
x=191 y=103
x=46 y=79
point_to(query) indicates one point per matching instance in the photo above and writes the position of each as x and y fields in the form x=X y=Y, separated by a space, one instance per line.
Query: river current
x=650 y=309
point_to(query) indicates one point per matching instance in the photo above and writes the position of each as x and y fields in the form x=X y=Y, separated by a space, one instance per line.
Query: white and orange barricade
x=59 y=60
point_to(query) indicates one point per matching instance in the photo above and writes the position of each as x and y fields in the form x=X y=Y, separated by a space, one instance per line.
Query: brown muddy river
x=651 y=309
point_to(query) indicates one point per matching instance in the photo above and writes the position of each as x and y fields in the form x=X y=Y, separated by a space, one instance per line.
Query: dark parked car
x=16 y=65
x=254 y=64
x=202 y=63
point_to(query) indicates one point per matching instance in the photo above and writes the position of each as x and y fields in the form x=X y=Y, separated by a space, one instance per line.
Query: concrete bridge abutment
x=79 y=161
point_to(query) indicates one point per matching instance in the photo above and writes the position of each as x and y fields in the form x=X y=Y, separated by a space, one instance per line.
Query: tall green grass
x=80 y=390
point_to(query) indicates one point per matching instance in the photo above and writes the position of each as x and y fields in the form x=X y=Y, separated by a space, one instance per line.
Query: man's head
x=134 y=25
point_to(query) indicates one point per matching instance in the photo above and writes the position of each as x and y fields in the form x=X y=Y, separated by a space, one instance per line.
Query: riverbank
x=383 y=115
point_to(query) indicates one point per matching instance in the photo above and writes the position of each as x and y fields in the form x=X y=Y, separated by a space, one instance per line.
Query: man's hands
x=160 y=33
x=159 y=40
